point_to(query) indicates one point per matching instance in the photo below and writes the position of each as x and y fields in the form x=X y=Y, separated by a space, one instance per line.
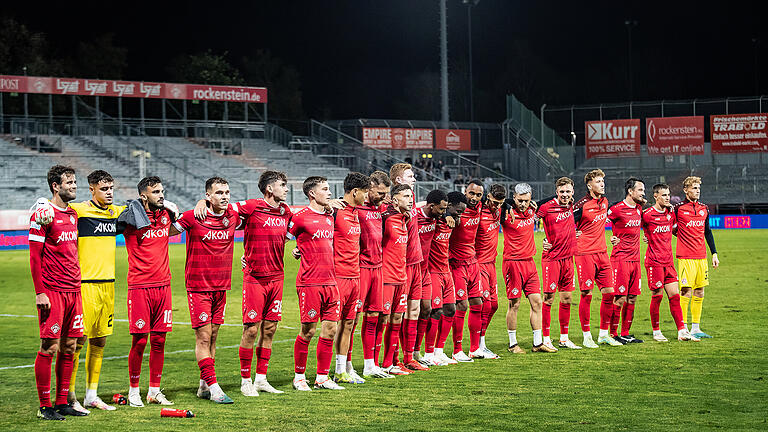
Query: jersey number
x=77 y=323
x=167 y=316
x=109 y=322
x=278 y=308
x=403 y=299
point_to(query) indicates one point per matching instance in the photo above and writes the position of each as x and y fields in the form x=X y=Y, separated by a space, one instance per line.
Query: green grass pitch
x=718 y=383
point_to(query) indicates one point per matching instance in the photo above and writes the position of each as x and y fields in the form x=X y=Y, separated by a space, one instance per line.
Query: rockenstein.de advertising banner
x=675 y=135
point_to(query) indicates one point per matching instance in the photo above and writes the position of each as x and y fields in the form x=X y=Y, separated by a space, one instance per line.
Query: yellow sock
x=696 y=303
x=684 y=301
x=74 y=368
x=93 y=357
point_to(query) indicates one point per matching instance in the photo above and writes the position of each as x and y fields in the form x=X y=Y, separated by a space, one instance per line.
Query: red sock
x=564 y=317
x=606 y=311
x=368 y=335
x=135 y=357
x=655 y=306
x=432 y=329
x=351 y=342
x=628 y=312
x=43 y=378
x=324 y=354
x=300 y=353
x=377 y=346
x=489 y=310
x=475 y=324
x=446 y=324
x=421 y=330
x=546 y=318
x=396 y=350
x=615 y=318
x=458 y=330
x=64 y=364
x=156 y=358
x=676 y=311
x=207 y=371
x=246 y=358
x=262 y=360
x=410 y=340
x=585 y=302
x=391 y=339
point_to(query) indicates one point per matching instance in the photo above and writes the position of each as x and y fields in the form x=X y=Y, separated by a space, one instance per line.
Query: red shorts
x=206 y=307
x=627 y=277
x=426 y=285
x=558 y=275
x=395 y=299
x=64 y=318
x=318 y=303
x=150 y=310
x=658 y=276
x=349 y=297
x=262 y=299
x=466 y=278
x=488 y=285
x=413 y=282
x=443 y=290
x=594 y=270
x=371 y=289
x=520 y=276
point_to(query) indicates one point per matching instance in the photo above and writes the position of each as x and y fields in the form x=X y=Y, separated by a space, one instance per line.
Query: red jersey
x=264 y=236
x=413 y=253
x=210 y=247
x=462 y=245
x=658 y=230
x=426 y=233
x=346 y=243
x=560 y=229
x=395 y=241
x=148 y=252
x=518 y=235
x=590 y=215
x=314 y=237
x=438 y=252
x=487 y=237
x=370 y=235
x=59 y=263
x=627 y=221
x=692 y=227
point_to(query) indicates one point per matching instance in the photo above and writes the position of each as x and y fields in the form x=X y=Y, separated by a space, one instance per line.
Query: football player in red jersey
x=658 y=221
x=315 y=284
x=486 y=248
x=208 y=277
x=371 y=279
x=592 y=264
x=55 y=272
x=150 y=313
x=395 y=244
x=626 y=217
x=346 y=252
x=466 y=275
x=692 y=231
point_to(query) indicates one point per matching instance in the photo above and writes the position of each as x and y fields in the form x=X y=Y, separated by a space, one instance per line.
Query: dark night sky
x=355 y=57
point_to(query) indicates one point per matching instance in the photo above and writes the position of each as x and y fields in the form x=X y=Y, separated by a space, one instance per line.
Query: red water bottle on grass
x=171 y=412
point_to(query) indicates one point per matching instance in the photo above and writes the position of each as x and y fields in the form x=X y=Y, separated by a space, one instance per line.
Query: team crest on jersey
x=515 y=291
x=551 y=286
x=111 y=212
x=55 y=328
x=282 y=210
x=252 y=314
x=140 y=324
x=684 y=281
x=588 y=282
x=164 y=220
x=460 y=293
x=358 y=304
x=602 y=205
x=486 y=293
x=328 y=221
x=436 y=301
x=622 y=288
x=638 y=211
x=669 y=217
x=203 y=316
x=225 y=222
x=701 y=212
x=658 y=284
x=312 y=313
x=387 y=306
x=72 y=220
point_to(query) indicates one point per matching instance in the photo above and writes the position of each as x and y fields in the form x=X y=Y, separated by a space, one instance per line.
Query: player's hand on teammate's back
x=42 y=301
x=578 y=233
x=173 y=208
x=546 y=245
x=200 y=209
x=337 y=204
x=450 y=221
x=243 y=263
x=43 y=211
x=715 y=261
x=296 y=253
x=645 y=239
x=615 y=240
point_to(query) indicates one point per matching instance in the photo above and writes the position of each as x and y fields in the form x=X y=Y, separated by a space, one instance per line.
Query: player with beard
x=658 y=221
x=371 y=279
x=427 y=216
x=518 y=218
x=466 y=275
x=626 y=217
x=346 y=252
x=150 y=312
x=56 y=277
x=592 y=264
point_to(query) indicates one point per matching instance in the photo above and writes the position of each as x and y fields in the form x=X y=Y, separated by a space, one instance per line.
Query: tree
x=281 y=80
x=100 y=58
x=204 y=68
x=20 y=47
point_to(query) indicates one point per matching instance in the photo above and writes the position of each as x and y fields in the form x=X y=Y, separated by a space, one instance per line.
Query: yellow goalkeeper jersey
x=96 y=231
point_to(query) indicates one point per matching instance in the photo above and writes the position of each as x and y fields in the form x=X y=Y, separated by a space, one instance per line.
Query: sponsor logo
x=662 y=229
x=252 y=314
x=140 y=324
x=471 y=222
x=10 y=84
x=695 y=223
x=67 y=236
x=443 y=236
x=355 y=230
x=122 y=89
x=601 y=131
x=372 y=215
x=158 y=233
x=426 y=228
x=401 y=239
x=105 y=227
x=95 y=87
x=274 y=222
x=563 y=216
x=526 y=222
x=55 y=328
x=322 y=234
x=600 y=218
x=493 y=227
x=67 y=86
x=633 y=223
x=152 y=90
x=216 y=235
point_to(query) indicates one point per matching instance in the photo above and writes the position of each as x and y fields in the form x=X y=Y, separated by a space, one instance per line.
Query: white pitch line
x=125 y=320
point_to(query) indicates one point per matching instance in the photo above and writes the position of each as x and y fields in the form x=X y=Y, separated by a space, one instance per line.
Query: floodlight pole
x=444 y=64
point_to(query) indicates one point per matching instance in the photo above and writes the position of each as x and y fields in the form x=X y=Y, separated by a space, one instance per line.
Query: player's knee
x=425 y=312
x=157 y=341
x=449 y=310
x=436 y=314
x=631 y=299
x=97 y=342
x=462 y=305
x=514 y=304
x=49 y=346
x=268 y=329
x=307 y=332
x=494 y=306
x=251 y=332
x=140 y=342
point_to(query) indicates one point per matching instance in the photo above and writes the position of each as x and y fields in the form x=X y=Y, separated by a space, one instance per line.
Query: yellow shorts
x=693 y=273
x=98 y=308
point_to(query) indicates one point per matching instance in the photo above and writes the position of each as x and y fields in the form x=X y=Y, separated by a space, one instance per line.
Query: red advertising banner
x=133 y=89
x=739 y=133
x=675 y=135
x=454 y=139
x=398 y=138
x=610 y=138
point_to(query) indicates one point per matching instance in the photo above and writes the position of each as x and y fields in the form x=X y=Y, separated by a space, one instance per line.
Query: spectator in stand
x=459 y=179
